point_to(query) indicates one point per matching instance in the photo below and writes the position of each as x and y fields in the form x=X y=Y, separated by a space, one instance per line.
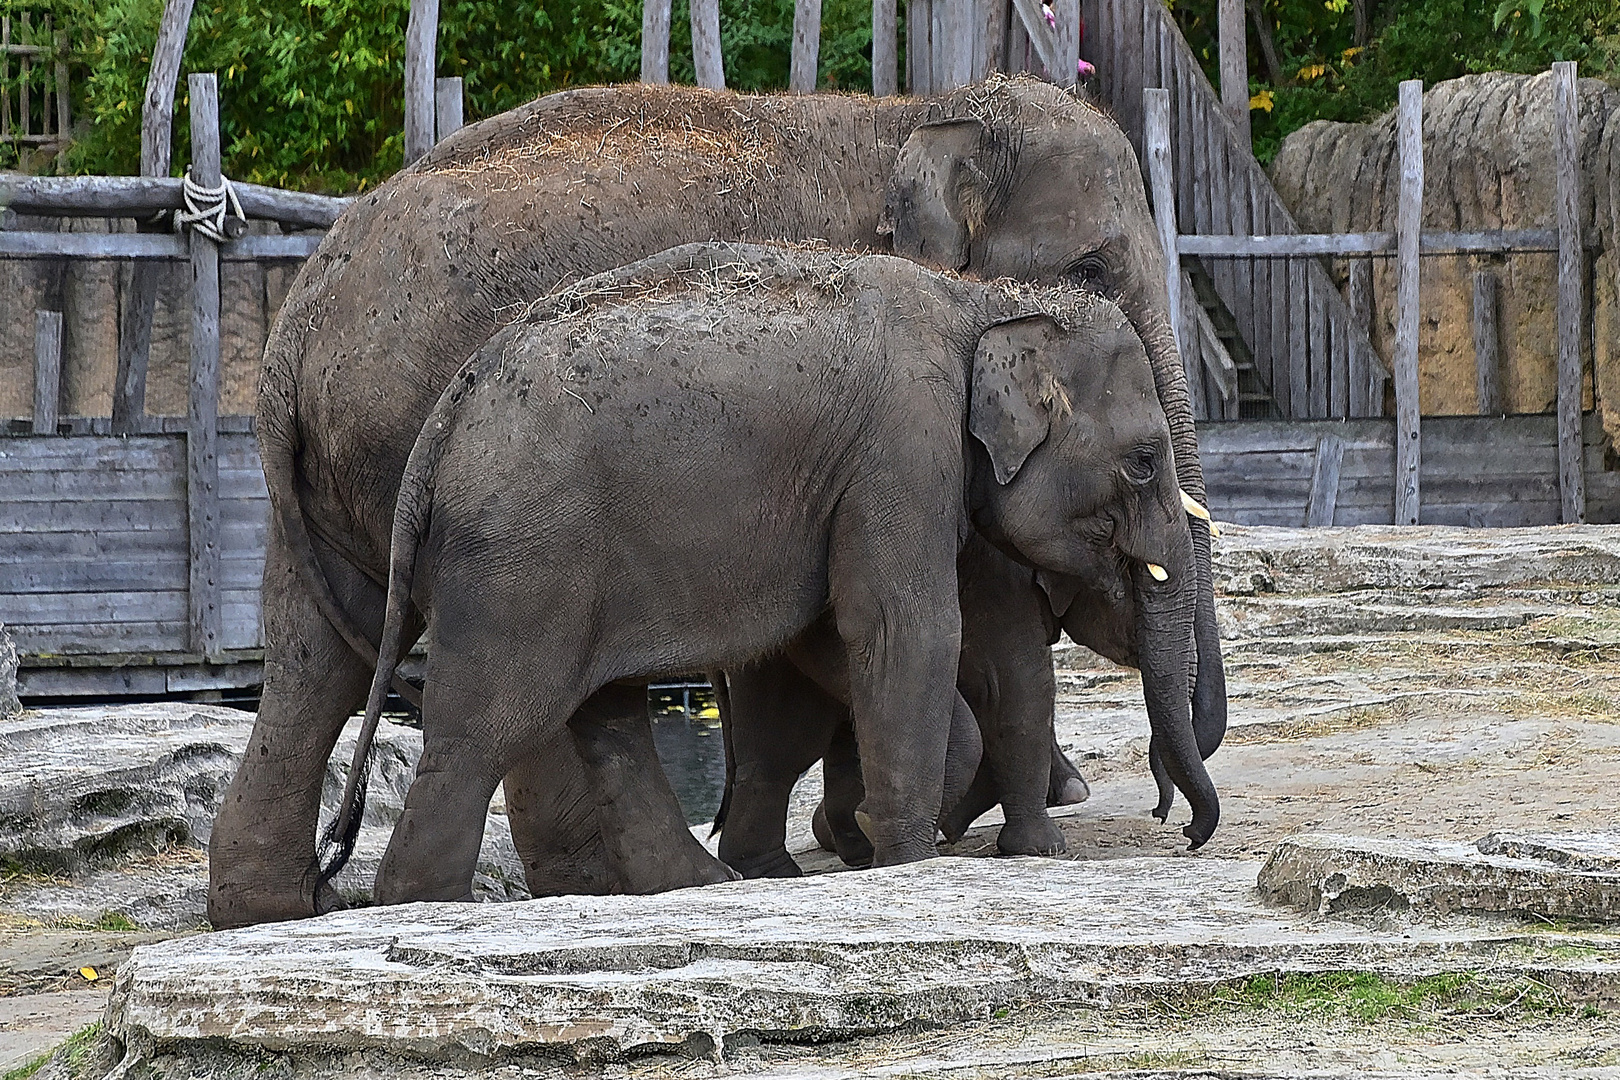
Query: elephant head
x=1016 y=178
x=1072 y=465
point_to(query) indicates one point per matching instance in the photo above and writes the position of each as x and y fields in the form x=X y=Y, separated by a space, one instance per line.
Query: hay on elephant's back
x=703 y=136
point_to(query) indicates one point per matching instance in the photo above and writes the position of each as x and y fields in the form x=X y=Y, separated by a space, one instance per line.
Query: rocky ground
x=1426 y=683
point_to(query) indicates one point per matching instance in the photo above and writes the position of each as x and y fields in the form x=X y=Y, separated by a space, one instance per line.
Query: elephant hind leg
x=552 y=811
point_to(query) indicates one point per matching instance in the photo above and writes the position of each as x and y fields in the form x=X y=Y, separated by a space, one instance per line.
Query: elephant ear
x=937 y=193
x=1016 y=396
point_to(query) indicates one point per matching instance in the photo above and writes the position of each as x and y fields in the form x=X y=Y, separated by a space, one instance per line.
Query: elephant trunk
x=1165 y=647
x=1170 y=380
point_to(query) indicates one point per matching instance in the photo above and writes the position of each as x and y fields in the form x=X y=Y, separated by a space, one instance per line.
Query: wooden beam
x=157 y=107
x=148 y=246
x=1408 y=225
x=655 y=17
x=1067 y=71
x=1156 y=139
x=1486 y=343
x=449 y=107
x=885 y=49
x=706 y=57
x=202 y=457
x=1566 y=159
x=1365 y=400
x=1348 y=245
x=1233 y=46
x=421 y=60
x=1325 y=481
x=47 y=370
x=64 y=113
x=1041 y=36
x=806 y=46
x=142 y=196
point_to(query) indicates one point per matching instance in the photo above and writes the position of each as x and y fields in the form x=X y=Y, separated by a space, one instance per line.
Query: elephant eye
x=1092 y=272
x=1140 y=466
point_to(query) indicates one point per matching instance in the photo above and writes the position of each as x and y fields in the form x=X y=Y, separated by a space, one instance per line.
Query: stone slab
x=1575 y=851
x=940 y=942
x=1331 y=874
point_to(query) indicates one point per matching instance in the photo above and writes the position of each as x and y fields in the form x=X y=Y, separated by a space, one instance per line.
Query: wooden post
x=27 y=67
x=806 y=46
x=64 y=119
x=1324 y=499
x=885 y=49
x=5 y=76
x=421 y=58
x=1068 y=43
x=655 y=42
x=1486 y=343
x=157 y=131
x=706 y=58
x=47 y=370
x=1156 y=138
x=202 y=418
x=1566 y=154
x=1408 y=228
x=448 y=106
x=1365 y=400
x=1234 y=58
x=919 y=51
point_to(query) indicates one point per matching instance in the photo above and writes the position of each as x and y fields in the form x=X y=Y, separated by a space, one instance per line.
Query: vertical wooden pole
x=157 y=133
x=449 y=105
x=885 y=49
x=27 y=66
x=1068 y=42
x=1566 y=154
x=655 y=41
x=1366 y=384
x=1408 y=230
x=5 y=76
x=711 y=68
x=1324 y=497
x=421 y=58
x=202 y=417
x=1156 y=136
x=919 y=47
x=47 y=370
x=806 y=46
x=1234 y=57
x=1486 y=343
x=64 y=118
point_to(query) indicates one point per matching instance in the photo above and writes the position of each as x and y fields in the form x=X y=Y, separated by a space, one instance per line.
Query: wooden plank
x=916 y=46
x=1339 y=364
x=1325 y=481
x=1242 y=304
x=1409 y=222
x=1156 y=136
x=1431 y=242
x=1299 y=344
x=47 y=370
x=107 y=573
x=1281 y=324
x=1566 y=155
x=111 y=514
x=64 y=114
x=449 y=106
x=1066 y=54
x=1363 y=401
x=146 y=246
x=806 y=51
x=885 y=48
x=655 y=20
x=706 y=57
x=1319 y=358
x=1184 y=141
x=202 y=461
x=1233 y=49
x=5 y=76
x=22 y=87
x=956 y=48
x=141 y=196
x=990 y=18
x=421 y=60
x=1486 y=364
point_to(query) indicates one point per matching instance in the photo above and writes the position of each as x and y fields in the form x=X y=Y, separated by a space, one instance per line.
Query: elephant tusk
x=1192 y=506
x=1158 y=572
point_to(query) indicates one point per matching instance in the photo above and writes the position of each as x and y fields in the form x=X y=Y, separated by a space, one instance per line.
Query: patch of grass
x=1364 y=996
x=77 y=1048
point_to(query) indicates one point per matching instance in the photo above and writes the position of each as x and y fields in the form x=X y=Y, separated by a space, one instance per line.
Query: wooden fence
x=38 y=113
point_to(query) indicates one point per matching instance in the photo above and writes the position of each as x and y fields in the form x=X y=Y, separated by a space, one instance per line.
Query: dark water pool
x=686 y=729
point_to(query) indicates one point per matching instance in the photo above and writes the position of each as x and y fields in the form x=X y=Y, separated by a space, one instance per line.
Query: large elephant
x=1014 y=177
x=685 y=462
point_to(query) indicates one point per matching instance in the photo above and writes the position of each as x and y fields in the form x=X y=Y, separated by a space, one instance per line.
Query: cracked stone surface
x=837 y=955
x=1332 y=874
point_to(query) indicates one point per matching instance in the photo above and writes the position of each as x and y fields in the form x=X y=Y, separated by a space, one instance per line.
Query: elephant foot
x=777 y=864
x=238 y=903
x=848 y=842
x=1031 y=836
x=667 y=871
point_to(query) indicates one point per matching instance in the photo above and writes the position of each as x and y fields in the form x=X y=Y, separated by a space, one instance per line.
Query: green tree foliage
x=311 y=91
x=1325 y=75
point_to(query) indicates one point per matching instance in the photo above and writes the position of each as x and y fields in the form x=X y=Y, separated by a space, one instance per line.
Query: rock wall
x=1488 y=163
x=91 y=293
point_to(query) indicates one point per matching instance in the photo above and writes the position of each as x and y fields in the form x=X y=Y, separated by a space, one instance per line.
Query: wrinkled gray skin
x=684 y=463
x=416 y=275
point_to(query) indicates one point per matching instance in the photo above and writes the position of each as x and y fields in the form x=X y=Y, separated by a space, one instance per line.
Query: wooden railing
x=41 y=55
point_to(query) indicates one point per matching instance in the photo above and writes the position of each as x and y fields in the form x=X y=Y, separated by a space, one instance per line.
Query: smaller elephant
x=690 y=461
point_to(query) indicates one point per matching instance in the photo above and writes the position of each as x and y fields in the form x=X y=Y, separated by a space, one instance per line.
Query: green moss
x=1365 y=996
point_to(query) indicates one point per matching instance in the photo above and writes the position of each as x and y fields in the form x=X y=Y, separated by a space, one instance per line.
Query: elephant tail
x=722 y=701
x=412 y=512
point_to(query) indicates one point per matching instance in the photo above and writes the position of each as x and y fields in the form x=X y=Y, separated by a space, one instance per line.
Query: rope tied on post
x=210 y=210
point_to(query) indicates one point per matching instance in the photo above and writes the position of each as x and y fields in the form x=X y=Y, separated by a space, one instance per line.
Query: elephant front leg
x=644 y=832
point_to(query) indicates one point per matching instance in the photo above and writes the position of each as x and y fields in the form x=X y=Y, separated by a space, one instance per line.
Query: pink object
x=1046 y=13
x=1086 y=71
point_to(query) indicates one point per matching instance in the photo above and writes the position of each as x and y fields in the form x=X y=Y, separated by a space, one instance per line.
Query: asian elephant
x=1008 y=178
x=683 y=463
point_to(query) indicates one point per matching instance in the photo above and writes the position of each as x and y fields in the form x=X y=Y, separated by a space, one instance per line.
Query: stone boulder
x=1488 y=162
